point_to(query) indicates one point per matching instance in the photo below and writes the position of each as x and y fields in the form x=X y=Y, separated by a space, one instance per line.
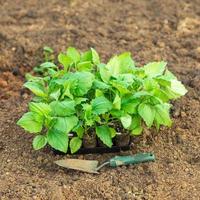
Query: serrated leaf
x=95 y=57
x=104 y=73
x=79 y=130
x=37 y=88
x=147 y=112
x=39 y=142
x=75 y=144
x=86 y=56
x=47 y=65
x=137 y=131
x=73 y=54
x=117 y=113
x=129 y=104
x=120 y=86
x=178 y=88
x=66 y=124
x=126 y=121
x=100 y=85
x=150 y=84
x=113 y=132
x=63 y=108
x=84 y=66
x=98 y=93
x=31 y=122
x=162 y=115
x=136 y=122
x=65 y=60
x=126 y=62
x=101 y=105
x=117 y=102
x=169 y=75
x=40 y=108
x=58 y=140
x=88 y=115
x=80 y=100
x=113 y=66
x=55 y=94
x=154 y=69
x=120 y=64
x=103 y=132
x=84 y=81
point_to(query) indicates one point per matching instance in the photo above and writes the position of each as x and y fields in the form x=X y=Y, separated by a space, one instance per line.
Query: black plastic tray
x=94 y=150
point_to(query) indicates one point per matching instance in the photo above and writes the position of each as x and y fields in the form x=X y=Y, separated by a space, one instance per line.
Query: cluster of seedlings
x=79 y=101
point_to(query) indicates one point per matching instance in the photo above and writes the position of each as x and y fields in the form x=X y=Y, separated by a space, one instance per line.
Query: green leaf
x=40 y=108
x=84 y=81
x=162 y=114
x=47 y=65
x=84 y=66
x=58 y=140
x=95 y=57
x=117 y=102
x=63 y=108
x=117 y=113
x=88 y=115
x=73 y=54
x=113 y=132
x=178 y=88
x=137 y=131
x=113 y=66
x=163 y=81
x=31 y=122
x=104 y=133
x=126 y=62
x=101 y=105
x=39 y=142
x=169 y=75
x=66 y=124
x=37 y=88
x=129 y=104
x=80 y=100
x=86 y=56
x=120 y=86
x=75 y=144
x=150 y=84
x=136 y=128
x=120 y=64
x=104 y=73
x=126 y=121
x=79 y=130
x=147 y=112
x=68 y=85
x=161 y=94
x=48 y=49
x=55 y=94
x=100 y=85
x=154 y=69
x=98 y=93
x=136 y=122
x=65 y=60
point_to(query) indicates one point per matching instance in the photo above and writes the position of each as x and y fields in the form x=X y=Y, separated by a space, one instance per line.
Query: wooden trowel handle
x=127 y=160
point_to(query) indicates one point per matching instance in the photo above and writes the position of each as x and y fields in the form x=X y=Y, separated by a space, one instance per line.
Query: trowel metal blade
x=78 y=164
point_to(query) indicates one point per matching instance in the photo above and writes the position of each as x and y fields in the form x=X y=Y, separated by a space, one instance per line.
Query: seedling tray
x=99 y=150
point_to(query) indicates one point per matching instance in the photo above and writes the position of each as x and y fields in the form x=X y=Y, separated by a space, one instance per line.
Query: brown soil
x=122 y=140
x=151 y=30
x=89 y=140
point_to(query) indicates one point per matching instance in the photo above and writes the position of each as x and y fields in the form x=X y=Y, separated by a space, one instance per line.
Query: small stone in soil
x=16 y=71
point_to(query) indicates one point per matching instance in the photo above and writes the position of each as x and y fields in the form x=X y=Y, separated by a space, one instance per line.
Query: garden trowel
x=91 y=166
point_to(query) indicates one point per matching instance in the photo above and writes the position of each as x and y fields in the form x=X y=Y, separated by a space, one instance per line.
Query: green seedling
x=81 y=94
